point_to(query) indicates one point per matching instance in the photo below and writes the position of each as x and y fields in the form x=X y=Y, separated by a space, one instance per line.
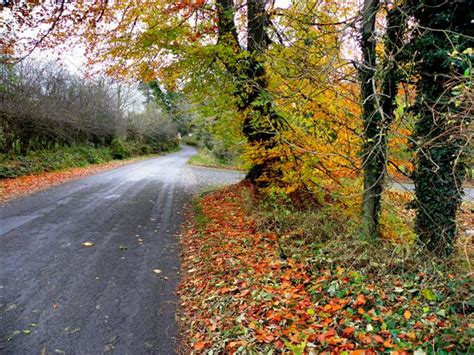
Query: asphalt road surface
x=60 y=297
x=468 y=194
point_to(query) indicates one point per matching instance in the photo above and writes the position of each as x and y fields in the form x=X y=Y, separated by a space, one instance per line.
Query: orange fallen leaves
x=199 y=345
x=237 y=260
x=242 y=295
x=407 y=314
x=348 y=331
x=265 y=337
x=360 y=301
x=23 y=185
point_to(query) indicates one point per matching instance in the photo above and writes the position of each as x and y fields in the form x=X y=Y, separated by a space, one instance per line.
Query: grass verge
x=256 y=281
x=18 y=186
x=24 y=185
x=36 y=162
x=208 y=159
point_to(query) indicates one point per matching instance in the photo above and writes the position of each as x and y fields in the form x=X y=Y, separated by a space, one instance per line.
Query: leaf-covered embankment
x=11 y=188
x=245 y=287
x=23 y=174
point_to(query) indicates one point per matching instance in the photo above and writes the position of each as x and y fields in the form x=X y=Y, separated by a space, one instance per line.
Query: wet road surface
x=60 y=297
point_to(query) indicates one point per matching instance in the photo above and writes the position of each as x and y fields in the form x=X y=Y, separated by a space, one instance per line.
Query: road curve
x=60 y=297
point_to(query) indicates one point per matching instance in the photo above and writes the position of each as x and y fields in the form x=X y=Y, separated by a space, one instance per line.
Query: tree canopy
x=325 y=101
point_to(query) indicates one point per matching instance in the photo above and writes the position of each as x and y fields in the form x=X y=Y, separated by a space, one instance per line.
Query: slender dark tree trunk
x=374 y=152
x=226 y=23
x=439 y=138
x=396 y=23
x=378 y=110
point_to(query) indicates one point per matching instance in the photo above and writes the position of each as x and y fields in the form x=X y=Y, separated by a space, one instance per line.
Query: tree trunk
x=261 y=121
x=374 y=151
x=226 y=23
x=439 y=132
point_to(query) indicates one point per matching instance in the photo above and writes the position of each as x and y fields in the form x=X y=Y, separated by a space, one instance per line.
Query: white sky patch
x=73 y=56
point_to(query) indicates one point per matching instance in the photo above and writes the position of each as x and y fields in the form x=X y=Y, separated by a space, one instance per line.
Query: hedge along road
x=58 y=296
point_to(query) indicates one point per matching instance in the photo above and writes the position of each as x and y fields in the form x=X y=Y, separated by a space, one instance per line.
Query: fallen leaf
x=157 y=271
x=199 y=345
x=360 y=300
x=348 y=331
x=378 y=339
x=428 y=294
x=388 y=344
x=87 y=244
x=407 y=314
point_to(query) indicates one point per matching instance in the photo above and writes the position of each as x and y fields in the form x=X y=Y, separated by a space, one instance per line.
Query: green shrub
x=119 y=150
x=92 y=156
x=190 y=140
x=13 y=165
x=209 y=158
x=51 y=160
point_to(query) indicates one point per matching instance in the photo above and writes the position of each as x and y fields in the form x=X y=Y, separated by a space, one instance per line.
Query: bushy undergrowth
x=50 y=160
x=191 y=140
x=419 y=300
x=35 y=162
x=263 y=276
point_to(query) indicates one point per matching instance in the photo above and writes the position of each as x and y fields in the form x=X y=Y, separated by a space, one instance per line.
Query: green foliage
x=173 y=104
x=50 y=160
x=191 y=140
x=118 y=150
x=13 y=165
x=206 y=157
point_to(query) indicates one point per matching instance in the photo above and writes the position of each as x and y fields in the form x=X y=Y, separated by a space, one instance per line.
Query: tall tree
x=261 y=121
x=440 y=134
x=379 y=78
x=374 y=151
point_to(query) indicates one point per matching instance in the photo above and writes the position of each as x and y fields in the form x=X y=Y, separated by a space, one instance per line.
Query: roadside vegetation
x=323 y=103
x=53 y=120
x=24 y=185
x=209 y=159
x=261 y=276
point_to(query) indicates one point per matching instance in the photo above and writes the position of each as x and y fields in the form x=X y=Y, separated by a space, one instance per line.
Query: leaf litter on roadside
x=19 y=186
x=238 y=294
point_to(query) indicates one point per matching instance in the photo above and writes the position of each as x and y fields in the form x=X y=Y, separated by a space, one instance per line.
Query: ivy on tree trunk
x=438 y=136
x=261 y=121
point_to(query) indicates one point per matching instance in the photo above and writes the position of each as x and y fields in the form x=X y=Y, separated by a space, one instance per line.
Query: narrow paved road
x=59 y=297
x=410 y=187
